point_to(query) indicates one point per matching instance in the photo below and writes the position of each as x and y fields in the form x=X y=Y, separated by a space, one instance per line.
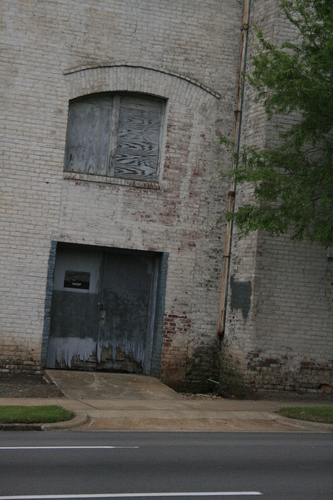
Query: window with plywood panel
x=115 y=135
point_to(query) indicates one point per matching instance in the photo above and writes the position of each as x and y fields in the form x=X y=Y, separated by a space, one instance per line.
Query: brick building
x=111 y=250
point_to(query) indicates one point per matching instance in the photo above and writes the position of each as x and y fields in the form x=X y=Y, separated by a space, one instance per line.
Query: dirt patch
x=289 y=396
x=27 y=386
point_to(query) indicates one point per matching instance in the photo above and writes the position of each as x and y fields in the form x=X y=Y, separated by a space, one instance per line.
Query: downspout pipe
x=232 y=191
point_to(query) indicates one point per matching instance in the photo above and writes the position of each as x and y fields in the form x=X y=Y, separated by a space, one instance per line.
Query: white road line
x=137 y=495
x=68 y=448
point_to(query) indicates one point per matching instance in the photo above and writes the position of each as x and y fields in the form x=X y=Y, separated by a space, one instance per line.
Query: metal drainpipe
x=237 y=136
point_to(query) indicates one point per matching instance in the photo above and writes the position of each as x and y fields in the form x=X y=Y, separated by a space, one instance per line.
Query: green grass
x=33 y=414
x=323 y=414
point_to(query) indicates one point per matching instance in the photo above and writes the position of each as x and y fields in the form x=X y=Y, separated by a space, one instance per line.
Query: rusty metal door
x=103 y=310
x=126 y=313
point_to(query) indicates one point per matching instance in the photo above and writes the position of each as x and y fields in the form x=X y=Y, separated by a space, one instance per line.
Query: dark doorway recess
x=105 y=310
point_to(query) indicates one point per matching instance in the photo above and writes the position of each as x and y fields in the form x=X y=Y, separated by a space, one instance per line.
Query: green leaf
x=293 y=183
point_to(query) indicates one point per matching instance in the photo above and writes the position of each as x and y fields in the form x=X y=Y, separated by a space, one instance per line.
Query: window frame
x=110 y=175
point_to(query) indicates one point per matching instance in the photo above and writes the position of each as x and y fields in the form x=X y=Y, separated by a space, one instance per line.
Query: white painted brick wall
x=42 y=45
x=186 y=51
x=287 y=340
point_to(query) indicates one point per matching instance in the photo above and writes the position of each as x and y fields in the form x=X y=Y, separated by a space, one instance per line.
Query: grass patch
x=33 y=414
x=322 y=414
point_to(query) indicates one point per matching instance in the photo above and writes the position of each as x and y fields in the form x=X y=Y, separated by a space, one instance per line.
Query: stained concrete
x=110 y=386
x=114 y=401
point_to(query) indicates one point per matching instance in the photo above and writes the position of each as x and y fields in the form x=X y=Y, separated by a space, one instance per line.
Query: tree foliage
x=293 y=182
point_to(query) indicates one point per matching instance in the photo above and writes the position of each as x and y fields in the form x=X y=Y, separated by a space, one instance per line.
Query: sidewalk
x=132 y=402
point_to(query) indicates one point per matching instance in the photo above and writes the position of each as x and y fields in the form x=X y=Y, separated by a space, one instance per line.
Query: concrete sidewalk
x=135 y=402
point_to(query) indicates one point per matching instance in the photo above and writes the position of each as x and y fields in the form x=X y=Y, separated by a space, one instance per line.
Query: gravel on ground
x=27 y=386
x=290 y=396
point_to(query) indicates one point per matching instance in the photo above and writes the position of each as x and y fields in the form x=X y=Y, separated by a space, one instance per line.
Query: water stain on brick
x=241 y=292
x=203 y=364
x=274 y=373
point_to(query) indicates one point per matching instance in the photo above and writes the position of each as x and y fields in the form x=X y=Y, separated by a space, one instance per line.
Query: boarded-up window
x=116 y=135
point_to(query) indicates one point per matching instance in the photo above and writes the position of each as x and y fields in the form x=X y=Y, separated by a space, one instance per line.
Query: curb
x=80 y=418
x=20 y=427
x=305 y=424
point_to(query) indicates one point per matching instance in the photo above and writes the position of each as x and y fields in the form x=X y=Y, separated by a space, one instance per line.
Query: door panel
x=74 y=331
x=74 y=311
x=123 y=332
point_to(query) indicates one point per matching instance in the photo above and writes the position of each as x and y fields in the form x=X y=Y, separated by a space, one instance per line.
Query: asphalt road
x=121 y=465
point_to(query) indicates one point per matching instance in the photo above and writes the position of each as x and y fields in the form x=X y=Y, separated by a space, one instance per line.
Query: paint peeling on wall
x=130 y=348
x=122 y=355
x=118 y=354
x=63 y=350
